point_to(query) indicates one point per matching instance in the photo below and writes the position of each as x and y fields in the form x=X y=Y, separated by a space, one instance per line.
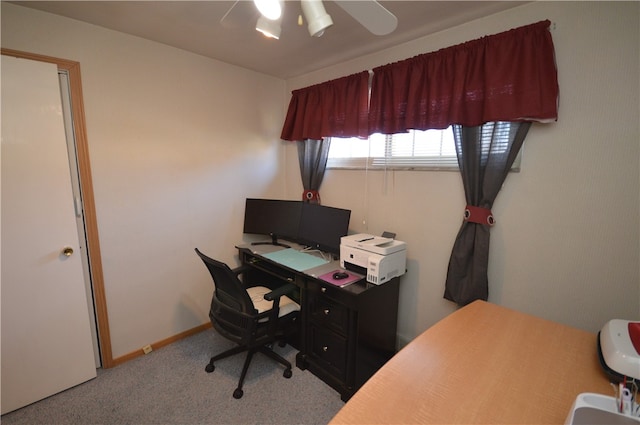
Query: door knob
x=67 y=251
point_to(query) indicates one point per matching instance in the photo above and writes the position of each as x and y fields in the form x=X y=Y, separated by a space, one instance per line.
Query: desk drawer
x=330 y=349
x=326 y=313
x=327 y=290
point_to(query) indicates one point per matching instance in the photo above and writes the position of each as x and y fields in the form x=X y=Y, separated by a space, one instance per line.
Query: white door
x=46 y=343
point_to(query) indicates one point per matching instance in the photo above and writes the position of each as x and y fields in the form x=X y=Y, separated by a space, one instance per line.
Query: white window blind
x=415 y=150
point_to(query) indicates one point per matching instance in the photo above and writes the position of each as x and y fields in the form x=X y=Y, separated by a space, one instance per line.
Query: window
x=430 y=149
x=415 y=150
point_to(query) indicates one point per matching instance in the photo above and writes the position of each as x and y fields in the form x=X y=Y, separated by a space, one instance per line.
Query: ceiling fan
x=369 y=13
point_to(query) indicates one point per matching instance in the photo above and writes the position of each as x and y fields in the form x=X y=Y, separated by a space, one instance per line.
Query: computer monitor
x=321 y=227
x=274 y=217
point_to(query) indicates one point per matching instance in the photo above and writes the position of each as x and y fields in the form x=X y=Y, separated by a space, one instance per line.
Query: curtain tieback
x=311 y=195
x=479 y=215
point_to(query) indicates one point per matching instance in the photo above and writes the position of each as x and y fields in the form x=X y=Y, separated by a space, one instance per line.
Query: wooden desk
x=482 y=364
x=346 y=333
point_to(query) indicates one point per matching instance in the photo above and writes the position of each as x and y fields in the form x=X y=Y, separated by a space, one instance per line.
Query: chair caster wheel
x=238 y=393
x=287 y=373
x=210 y=368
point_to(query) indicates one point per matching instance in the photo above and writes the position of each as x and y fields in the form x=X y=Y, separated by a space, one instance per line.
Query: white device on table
x=619 y=350
x=379 y=258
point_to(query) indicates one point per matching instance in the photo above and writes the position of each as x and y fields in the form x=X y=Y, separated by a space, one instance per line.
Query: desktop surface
x=482 y=364
x=324 y=263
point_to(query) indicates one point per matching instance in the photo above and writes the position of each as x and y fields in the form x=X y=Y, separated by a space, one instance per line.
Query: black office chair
x=254 y=317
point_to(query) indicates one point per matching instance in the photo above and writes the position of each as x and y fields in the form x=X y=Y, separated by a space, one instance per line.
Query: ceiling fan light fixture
x=316 y=16
x=270 y=9
x=268 y=27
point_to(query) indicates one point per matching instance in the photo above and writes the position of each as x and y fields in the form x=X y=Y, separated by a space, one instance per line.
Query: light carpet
x=170 y=386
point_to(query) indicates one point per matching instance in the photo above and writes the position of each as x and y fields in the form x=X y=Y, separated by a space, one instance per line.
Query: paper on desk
x=295 y=259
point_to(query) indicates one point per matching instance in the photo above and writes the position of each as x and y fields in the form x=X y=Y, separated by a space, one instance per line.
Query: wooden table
x=482 y=364
x=346 y=333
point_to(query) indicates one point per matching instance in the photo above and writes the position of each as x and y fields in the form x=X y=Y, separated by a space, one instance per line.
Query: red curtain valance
x=509 y=76
x=334 y=108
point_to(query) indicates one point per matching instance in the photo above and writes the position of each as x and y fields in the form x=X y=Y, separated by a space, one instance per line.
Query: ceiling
x=198 y=27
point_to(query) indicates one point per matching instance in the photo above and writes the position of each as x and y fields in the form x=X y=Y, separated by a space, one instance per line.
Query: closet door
x=46 y=337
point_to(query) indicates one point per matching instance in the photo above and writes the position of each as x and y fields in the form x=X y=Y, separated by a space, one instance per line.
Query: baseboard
x=160 y=344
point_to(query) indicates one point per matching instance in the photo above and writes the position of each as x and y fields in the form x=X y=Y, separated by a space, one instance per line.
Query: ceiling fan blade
x=229 y=11
x=240 y=14
x=371 y=14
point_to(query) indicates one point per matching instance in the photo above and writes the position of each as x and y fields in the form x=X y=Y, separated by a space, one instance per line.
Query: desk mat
x=295 y=259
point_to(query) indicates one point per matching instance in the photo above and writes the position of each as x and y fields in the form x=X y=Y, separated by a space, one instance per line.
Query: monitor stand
x=274 y=241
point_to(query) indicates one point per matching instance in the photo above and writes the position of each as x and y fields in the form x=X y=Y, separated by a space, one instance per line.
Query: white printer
x=381 y=259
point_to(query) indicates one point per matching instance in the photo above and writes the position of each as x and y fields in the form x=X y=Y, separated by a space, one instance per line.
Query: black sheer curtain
x=485 y=156
x=312 y=156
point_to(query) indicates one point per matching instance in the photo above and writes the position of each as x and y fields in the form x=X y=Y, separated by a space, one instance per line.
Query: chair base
x=266 y=350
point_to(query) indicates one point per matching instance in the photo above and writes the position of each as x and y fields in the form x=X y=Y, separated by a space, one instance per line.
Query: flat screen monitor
x=321 y=227
x=274 y=217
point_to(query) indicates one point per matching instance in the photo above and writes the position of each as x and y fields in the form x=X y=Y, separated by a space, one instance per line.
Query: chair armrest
x=280 y=291
x=239 y=270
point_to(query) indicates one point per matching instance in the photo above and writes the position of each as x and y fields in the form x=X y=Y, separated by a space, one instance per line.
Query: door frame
x=88 y=201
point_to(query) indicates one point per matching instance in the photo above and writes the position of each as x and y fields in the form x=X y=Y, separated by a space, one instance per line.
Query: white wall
x=176 y=142
x=566 y=243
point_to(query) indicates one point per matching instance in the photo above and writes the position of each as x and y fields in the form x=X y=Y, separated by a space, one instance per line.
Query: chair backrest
x=229 y=290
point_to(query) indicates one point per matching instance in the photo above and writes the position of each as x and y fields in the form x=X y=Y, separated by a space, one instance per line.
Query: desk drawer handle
x=326 y=311
x=323 y=290
x=290 y=279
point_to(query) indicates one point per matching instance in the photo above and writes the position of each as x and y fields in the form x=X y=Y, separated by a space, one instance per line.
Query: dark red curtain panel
x=334 y=108
x=509 y=76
